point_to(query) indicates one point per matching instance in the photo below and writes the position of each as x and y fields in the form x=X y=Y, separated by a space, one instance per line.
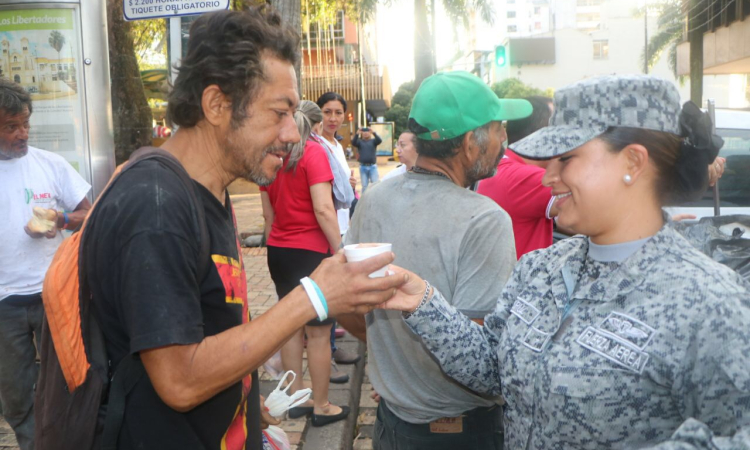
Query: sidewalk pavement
x=337 y=436
x=357 y=429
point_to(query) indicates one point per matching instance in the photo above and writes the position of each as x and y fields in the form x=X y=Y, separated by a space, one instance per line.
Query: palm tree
x=56 y=41
x=424 y=42
x=671 y=25
x=673 y=15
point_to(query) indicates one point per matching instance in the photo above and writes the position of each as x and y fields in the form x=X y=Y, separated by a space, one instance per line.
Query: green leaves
x=400 y=107
x=515 y=88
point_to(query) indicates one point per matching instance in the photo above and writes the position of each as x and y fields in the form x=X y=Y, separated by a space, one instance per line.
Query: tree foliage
x=130 y=111
x=398 y=113
x=146 y=34
x=671 y=23
x=515 y=88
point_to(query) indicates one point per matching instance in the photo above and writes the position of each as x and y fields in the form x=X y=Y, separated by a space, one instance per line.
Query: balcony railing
x=341 y=78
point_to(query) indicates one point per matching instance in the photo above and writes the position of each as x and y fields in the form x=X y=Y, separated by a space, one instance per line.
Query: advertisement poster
x=41 y=52
x=385 y=131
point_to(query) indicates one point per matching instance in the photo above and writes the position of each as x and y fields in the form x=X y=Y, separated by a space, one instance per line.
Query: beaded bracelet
x=422 y=302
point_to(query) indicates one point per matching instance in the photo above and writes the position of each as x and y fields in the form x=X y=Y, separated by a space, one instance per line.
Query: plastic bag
x=274 y=438
x=273 y=366
x=723 y=238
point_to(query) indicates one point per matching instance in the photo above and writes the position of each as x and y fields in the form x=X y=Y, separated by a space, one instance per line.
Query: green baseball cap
x=450 y=104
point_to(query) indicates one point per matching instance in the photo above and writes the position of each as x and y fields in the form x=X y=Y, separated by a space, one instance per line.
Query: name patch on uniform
x=629 y=329
x=524 y=311
x=536 y=339
x=620 y=353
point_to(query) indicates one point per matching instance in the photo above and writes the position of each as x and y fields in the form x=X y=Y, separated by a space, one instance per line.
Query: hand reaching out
x=408 y=296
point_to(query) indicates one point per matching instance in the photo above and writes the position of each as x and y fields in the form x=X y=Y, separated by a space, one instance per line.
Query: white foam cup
x=360 y=252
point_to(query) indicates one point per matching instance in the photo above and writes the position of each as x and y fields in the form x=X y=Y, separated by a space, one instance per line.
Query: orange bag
x=80 y=396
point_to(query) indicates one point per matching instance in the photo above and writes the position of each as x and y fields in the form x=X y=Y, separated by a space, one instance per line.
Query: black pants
x=288 y=266
x=482 y=430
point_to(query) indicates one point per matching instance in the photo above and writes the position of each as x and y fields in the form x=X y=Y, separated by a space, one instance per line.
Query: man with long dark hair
x=233 y=101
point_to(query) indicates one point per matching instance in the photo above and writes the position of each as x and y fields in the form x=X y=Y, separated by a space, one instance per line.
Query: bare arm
x=75 y=218
x=268 y=214
x=325 y=213
x=354 y=324
x=184 y=376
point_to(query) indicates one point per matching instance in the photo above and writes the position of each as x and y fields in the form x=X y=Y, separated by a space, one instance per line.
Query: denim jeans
x=368 y=174
x=18 y=369
x=482 y=430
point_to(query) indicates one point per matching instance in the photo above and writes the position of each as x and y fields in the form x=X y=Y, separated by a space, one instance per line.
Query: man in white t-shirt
x=29 y=178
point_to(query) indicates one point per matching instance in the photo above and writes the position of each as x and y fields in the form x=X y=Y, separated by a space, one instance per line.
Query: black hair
x=539 y=118
x=329 y=97
x=226 y=48
x=13 y=98
x=682 y=167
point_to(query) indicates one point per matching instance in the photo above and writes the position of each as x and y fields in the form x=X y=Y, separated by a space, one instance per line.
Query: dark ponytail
x=698 y=149
x=681 y=161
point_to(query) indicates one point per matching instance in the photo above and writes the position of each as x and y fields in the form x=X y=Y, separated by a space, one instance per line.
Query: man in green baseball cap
x=463 y=240
x=457 y=118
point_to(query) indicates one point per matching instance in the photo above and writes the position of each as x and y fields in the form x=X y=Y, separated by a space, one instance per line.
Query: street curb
x=356 y=394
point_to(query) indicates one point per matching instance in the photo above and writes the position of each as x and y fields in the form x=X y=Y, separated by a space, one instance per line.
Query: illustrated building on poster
x=38 y=75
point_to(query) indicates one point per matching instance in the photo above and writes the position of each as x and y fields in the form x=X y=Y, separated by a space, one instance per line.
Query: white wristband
x=312 y=294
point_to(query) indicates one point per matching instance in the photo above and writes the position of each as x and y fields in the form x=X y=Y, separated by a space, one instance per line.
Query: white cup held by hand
x=360 y=252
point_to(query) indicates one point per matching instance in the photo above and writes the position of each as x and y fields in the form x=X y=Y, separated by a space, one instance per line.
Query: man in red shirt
x=517 y=185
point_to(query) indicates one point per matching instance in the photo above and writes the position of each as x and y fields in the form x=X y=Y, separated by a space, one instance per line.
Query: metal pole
x=433 y=42
x=712 y=115
x=362 y=73
x=645 y=33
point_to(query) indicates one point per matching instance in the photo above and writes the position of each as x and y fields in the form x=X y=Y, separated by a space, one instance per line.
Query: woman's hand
x=716 y=170
x=409 y=295
x=352 y=180
x=348 y=288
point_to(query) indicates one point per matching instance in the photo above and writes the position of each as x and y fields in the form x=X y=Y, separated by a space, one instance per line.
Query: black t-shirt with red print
x=142 y=267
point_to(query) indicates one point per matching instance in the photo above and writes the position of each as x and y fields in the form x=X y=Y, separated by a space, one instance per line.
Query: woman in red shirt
x=301 y=230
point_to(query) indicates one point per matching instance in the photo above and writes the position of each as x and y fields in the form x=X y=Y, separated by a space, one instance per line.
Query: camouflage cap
x=585 y=109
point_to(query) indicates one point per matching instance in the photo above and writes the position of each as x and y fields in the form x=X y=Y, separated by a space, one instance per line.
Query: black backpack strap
x=130 y=369
x=129 y=372
x=199 y=214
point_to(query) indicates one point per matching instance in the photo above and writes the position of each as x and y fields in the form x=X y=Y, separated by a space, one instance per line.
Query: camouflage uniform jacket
x=652 y=352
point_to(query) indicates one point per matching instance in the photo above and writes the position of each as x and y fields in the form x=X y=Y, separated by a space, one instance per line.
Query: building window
x=15 y=59
x=537 y=25
x=512 y=29
x=511 y=2
x=25 y=48
x=537 y=10
x=601 y=49
x=589 y=2
x=337 y=30
x=511 y=14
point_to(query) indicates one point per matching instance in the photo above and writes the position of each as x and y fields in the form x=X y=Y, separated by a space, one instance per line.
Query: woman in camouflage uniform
x=624 y=336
